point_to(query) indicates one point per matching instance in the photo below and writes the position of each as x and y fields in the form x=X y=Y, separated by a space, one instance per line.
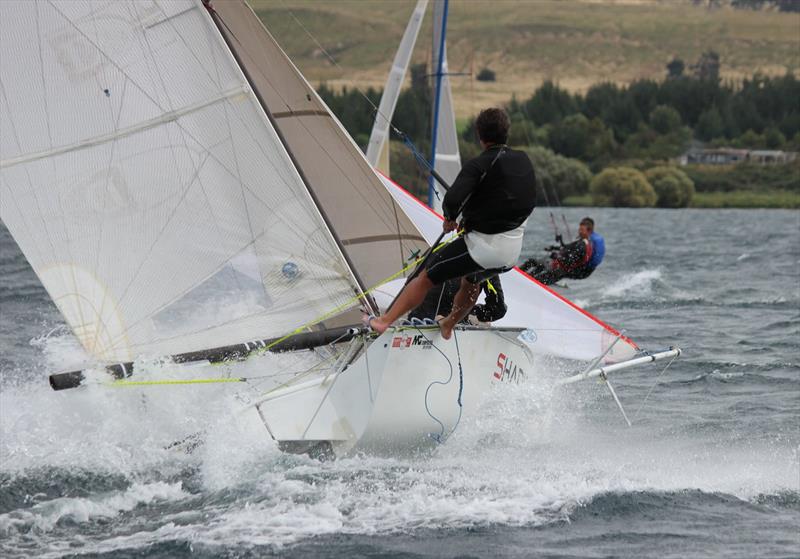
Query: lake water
x=709 y=469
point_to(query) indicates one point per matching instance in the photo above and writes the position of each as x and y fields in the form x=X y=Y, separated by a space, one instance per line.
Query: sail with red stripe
x=556 y=325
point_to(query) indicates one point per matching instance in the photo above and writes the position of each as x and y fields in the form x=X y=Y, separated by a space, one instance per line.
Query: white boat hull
x=404 y=393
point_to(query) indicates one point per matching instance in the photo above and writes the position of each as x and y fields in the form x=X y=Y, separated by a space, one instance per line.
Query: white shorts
x=500 y=250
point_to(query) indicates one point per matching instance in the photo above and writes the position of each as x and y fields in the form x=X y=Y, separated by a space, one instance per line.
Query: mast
x=439 y=61
x=224 y=31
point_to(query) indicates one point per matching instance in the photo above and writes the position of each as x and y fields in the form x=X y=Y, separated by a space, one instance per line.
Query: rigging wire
x=658 y=379
x=553 y=222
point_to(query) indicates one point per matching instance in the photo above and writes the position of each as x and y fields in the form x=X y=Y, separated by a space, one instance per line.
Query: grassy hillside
x=575 y=42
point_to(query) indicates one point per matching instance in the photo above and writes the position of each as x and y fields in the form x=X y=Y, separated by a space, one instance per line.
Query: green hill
x=574 y=42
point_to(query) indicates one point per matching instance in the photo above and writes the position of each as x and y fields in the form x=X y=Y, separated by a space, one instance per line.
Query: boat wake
x=532 y=456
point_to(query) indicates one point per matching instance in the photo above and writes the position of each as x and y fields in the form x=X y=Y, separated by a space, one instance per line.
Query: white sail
x=446 y=158
x=378 y=147
x=146 y=186
x=556 y=325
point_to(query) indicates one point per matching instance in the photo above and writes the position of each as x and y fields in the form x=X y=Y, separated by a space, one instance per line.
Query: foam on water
x=638 y=284
x=43 y=517
x=530 y=457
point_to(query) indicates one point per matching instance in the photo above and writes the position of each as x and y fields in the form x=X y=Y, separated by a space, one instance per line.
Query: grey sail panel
x=375 y=234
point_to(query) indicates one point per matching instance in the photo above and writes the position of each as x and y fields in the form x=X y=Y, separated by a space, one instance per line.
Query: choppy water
x=710 y=468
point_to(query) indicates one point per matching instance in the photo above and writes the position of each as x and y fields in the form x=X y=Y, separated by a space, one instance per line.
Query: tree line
x=641 y=125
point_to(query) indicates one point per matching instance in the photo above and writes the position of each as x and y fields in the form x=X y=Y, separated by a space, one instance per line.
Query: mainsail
x=148 y=188
x=445 y=156
x=378 y=147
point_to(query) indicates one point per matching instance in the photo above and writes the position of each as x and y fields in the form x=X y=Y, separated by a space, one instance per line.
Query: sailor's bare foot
x=446 y=328
x=376 y=323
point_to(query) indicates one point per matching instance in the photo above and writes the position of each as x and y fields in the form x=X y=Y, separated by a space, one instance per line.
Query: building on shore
x=731 y=156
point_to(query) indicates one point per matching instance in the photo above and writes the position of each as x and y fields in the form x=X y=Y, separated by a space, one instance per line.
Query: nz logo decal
x=405 y=342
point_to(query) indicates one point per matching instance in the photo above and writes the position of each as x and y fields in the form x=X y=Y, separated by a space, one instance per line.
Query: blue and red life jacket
x=598 y=250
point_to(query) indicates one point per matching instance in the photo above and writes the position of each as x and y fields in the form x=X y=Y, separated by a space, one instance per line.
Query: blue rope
x=440 y=436
x=415 y=152
x=460 y=379
x=421 y=161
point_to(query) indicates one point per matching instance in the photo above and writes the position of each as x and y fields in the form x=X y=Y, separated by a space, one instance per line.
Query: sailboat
x=183 y=193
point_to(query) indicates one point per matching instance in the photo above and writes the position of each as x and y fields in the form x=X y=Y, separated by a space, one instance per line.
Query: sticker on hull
x=508 y=371
x=408 y=341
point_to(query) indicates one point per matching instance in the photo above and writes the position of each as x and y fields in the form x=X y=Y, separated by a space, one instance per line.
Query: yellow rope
x=355 y=299
x=334 y=312
x=120 y=383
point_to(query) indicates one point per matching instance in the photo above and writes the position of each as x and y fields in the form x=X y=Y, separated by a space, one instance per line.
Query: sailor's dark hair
x=492 y=126
x=588 y=222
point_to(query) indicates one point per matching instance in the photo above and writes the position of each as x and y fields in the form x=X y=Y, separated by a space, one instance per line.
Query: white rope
x=658 y=378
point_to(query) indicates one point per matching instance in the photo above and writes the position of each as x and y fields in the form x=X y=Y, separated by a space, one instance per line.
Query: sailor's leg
x=532 y=267
x=539 y=270
x=464 y=301
x=412 y=295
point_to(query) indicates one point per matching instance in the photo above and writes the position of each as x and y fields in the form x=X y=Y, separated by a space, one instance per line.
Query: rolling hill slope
x=574 y=42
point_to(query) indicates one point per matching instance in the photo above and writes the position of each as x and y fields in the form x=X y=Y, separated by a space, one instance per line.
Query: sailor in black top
x=495 y=194
x=502 y=201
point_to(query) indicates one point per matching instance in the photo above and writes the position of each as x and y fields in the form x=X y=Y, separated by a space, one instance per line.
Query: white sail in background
x=446 y=158
x=378 y=147
x=559 y=327
x=146 y=186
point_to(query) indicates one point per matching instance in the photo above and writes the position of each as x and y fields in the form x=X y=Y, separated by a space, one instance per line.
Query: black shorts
x=453 y=261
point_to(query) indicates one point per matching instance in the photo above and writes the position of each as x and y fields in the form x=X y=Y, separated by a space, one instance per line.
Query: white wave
x=744 y=256
x=42 y=517
x=60 y=349
x=529 y=457
x=638 y=283
x=125 y=430
x=582 y=303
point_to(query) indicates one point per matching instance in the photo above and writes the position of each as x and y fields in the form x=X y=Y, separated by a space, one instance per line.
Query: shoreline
x=735 y=199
